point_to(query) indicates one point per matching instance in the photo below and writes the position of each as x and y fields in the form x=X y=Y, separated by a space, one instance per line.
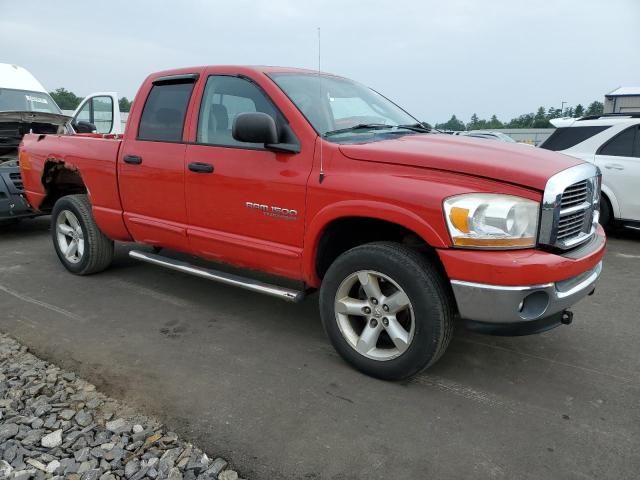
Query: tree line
x=539 y=119
x=67 y=100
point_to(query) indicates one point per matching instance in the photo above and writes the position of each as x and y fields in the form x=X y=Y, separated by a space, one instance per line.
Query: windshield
x=26 y=101
x=333 y=103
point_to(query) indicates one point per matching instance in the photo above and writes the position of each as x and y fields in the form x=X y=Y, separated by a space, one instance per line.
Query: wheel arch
x=394 y=223
x=58 y=180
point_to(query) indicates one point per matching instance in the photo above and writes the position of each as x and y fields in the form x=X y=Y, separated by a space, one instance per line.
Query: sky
x=434 y=58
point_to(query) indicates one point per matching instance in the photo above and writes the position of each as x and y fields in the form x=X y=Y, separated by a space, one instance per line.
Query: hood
x=507 y=162
x=34 y=117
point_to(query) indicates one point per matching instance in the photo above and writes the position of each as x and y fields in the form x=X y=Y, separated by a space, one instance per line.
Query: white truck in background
x=25 y=106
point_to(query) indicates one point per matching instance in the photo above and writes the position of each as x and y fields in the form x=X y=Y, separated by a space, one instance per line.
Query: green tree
x=494 y=123
x=540 y=119
x=595 y=108
x=65 y=99
x=579 y=111
x=473 y=123
x=125 y=104
x=453 y=124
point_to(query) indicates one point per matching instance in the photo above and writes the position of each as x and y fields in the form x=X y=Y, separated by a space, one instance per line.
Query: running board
x=217 y=276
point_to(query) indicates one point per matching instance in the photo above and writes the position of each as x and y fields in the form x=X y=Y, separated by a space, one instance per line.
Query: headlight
x=486 y=220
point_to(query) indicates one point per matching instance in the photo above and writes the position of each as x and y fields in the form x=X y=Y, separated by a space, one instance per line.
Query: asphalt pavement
x=254 y=380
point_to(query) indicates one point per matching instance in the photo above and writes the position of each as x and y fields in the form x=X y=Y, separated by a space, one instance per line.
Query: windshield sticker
x=36 y=99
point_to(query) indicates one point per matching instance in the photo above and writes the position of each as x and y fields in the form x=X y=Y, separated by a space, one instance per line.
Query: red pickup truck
x=313 y=181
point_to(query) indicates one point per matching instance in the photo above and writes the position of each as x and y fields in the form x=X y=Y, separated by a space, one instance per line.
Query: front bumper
x=504 y=304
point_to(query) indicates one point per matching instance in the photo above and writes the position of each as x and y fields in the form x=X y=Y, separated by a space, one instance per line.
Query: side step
x=217 y=276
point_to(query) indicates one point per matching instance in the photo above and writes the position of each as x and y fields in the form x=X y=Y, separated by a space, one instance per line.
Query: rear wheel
x=386 y=310
x=81 y=247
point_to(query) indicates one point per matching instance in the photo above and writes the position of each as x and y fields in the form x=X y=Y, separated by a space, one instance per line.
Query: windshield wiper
x=416 y=127
x=360 y=126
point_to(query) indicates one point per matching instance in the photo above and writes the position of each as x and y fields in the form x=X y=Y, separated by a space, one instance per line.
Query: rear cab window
x=164 y=111
x=567 y=137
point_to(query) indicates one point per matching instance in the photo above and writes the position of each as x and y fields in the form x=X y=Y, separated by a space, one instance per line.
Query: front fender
x=363 y=209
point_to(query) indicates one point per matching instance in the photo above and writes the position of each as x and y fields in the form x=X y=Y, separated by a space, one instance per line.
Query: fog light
x=534 y=305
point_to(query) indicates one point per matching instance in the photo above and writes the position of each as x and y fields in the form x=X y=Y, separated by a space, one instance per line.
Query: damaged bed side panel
x=55 y=165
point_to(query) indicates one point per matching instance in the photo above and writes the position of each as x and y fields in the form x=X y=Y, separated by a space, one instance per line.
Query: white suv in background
x=612 y=142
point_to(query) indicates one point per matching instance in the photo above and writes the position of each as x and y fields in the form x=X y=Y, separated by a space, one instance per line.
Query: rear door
x=151 y=166
x=101 y=109
x=619 y=161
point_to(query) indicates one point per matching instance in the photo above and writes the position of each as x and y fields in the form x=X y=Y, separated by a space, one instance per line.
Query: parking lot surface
x=254 y=379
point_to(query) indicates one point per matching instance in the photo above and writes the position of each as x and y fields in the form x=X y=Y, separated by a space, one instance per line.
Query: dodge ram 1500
x=318 y=182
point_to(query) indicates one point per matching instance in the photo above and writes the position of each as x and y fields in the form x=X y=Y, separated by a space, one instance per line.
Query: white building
x=622 y=100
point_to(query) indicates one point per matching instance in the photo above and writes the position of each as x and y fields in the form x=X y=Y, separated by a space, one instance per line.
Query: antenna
x=321 y=177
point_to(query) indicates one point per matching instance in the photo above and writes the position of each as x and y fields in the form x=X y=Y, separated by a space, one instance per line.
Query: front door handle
x=132 y=159
x=200 y=167
x=614 y=166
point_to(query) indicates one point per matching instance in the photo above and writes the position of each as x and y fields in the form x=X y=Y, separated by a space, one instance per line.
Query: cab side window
x=224 y=98
x=163 y=114
x=622 y=145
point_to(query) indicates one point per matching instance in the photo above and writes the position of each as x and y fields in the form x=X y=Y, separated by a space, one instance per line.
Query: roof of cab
x=18 y=78
x=266 y=69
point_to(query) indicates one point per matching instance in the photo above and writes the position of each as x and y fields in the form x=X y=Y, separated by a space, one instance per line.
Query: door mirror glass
x=255 y=127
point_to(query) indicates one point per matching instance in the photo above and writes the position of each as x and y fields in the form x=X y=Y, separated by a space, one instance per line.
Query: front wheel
x=81 y=247
x=386 y=310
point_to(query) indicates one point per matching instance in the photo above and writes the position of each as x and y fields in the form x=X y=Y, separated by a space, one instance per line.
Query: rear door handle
x=614 y=166
x=200 y=167
x=132 y=159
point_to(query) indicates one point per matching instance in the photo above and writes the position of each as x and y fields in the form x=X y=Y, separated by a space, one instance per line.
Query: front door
x=245 y=203
x=151 y=168
x=619 y=161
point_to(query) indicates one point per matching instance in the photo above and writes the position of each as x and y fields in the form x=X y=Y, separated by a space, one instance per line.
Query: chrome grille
x=570 y=207
x=571 y=225
x=575 y=195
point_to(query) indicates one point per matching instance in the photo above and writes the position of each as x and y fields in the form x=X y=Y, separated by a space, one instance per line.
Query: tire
x=71 y=219
x=606 y=213
x=427 y=321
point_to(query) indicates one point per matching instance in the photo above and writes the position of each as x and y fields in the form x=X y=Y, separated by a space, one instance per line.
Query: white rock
x=52 y=466
x=136 y=428
x=53 y=440
x=174 y=474
x=5 y=469
x=228 y=475
x=118 y=425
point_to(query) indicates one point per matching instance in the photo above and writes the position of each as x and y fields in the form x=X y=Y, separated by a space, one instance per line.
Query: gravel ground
x=56 y=425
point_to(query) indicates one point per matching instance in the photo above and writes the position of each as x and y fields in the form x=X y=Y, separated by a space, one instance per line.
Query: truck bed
x=44 y=156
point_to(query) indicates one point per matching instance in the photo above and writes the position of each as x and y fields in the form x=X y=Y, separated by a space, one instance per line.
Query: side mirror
x=84 y=127
x=255 y=127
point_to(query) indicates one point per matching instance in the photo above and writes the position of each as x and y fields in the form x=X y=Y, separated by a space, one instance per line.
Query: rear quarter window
x=621 y=145
x=567 y=137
